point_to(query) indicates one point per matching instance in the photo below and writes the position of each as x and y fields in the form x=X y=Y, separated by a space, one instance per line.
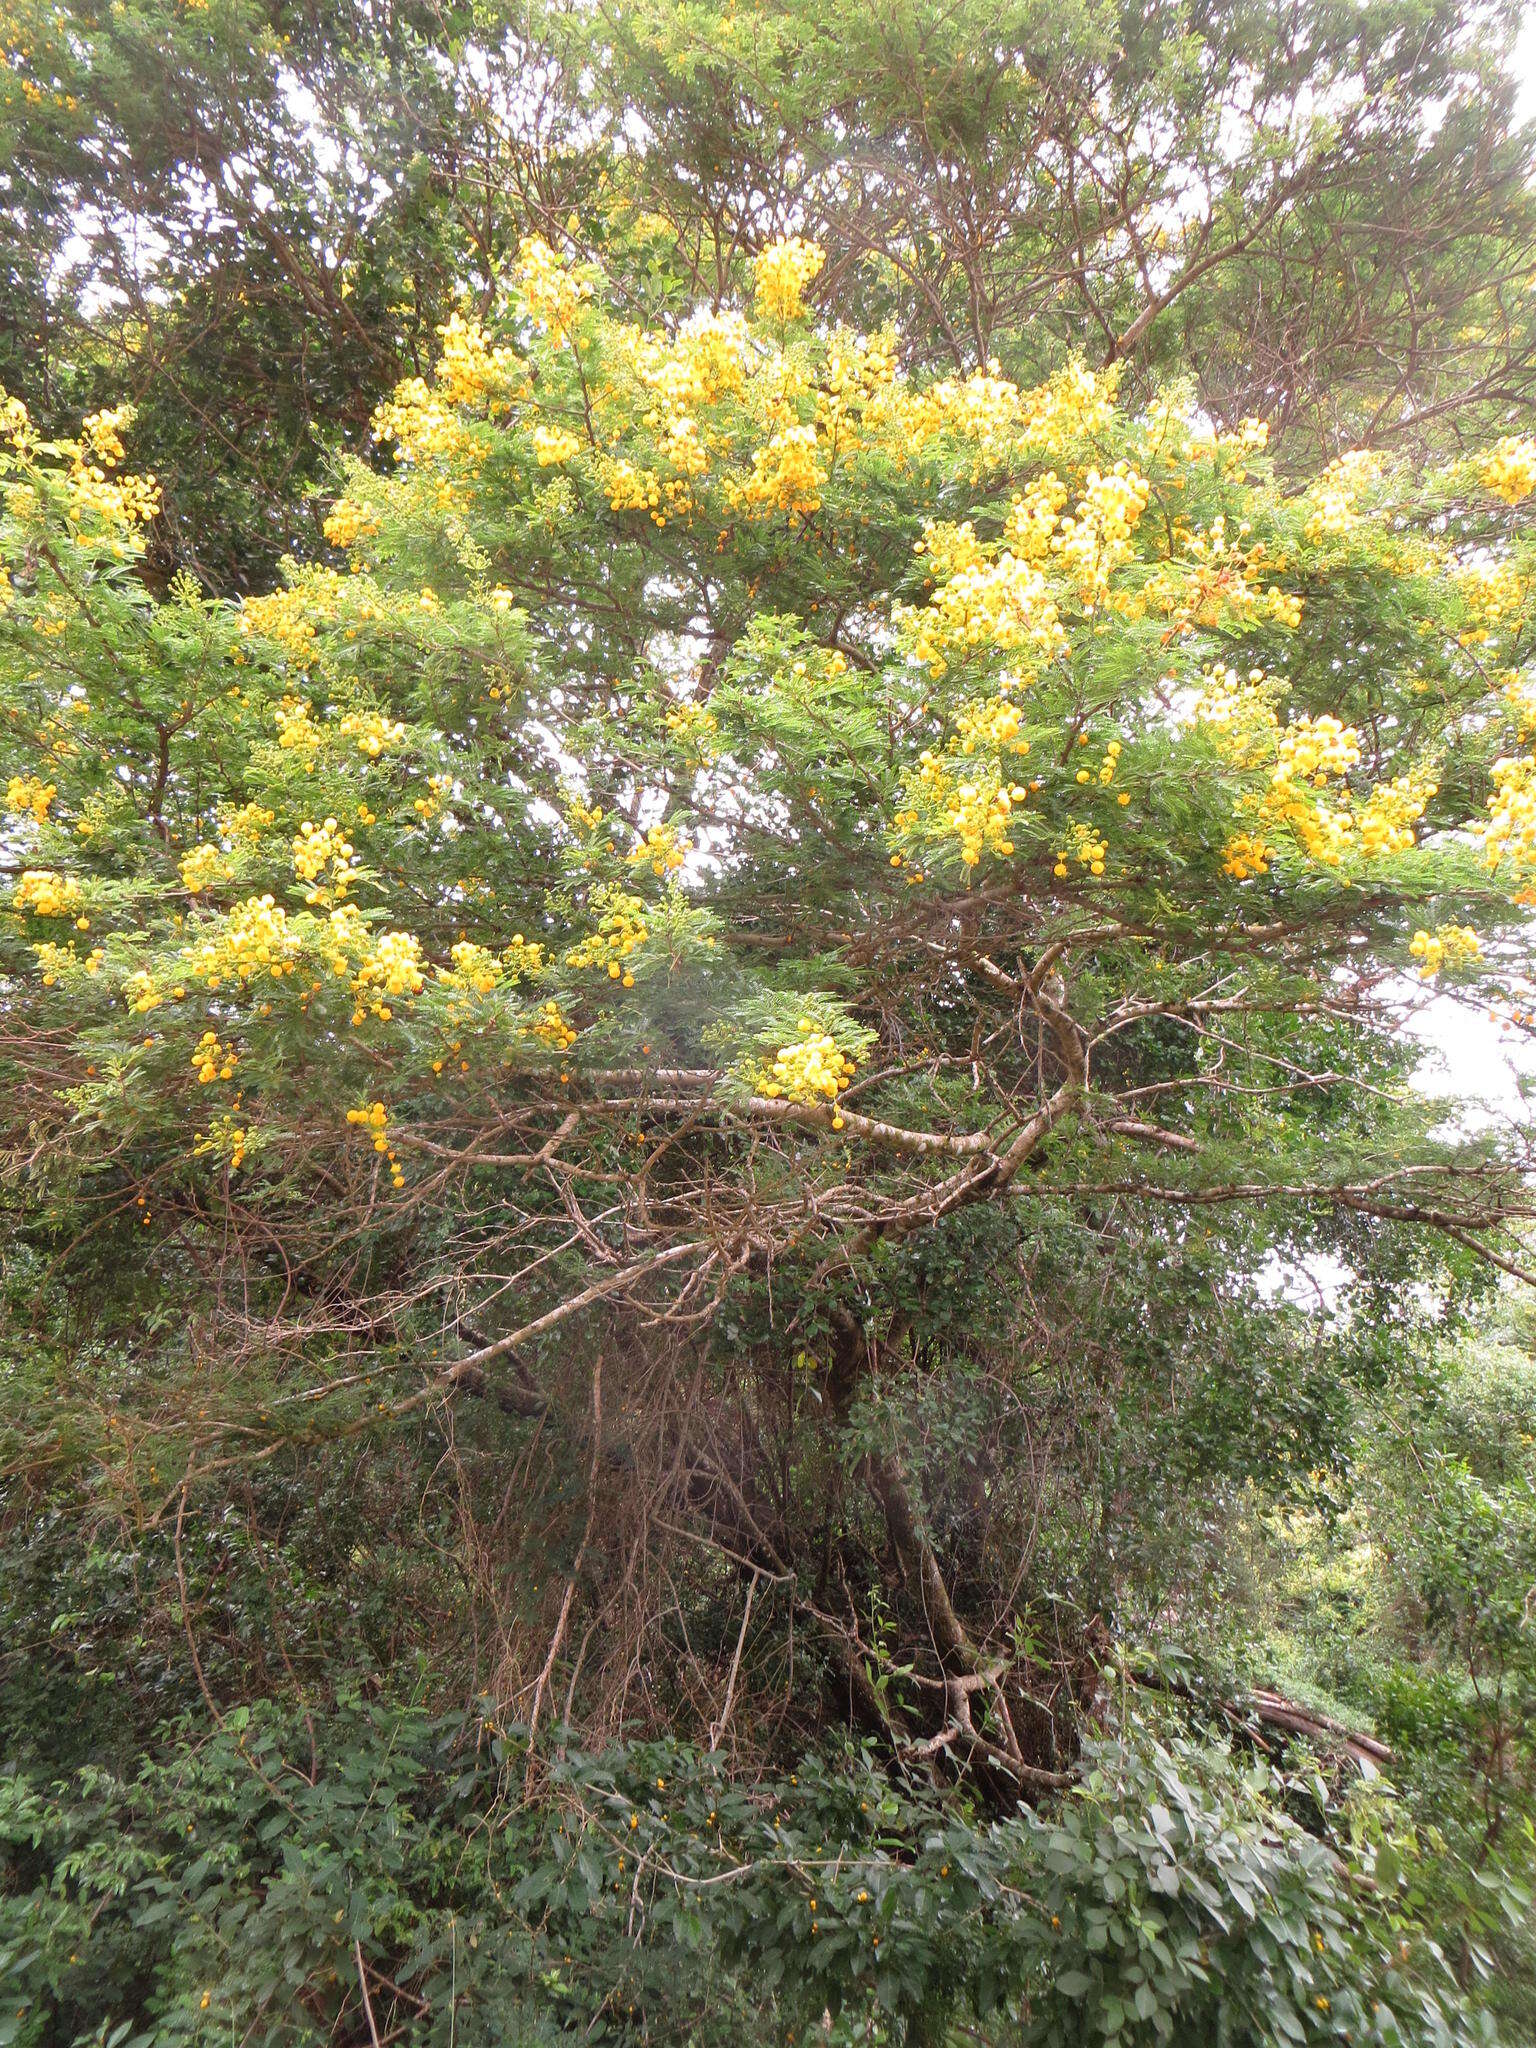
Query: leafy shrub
x=243 y=1879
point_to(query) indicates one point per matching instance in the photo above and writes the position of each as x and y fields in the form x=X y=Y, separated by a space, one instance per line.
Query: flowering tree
x=755 y=905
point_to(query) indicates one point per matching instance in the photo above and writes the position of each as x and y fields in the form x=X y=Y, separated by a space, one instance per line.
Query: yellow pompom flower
x=1452 y=945
x=43 y=893
x=1509 y=468
x=554 y=445
x=780 y=275
x=203 y=867
x=28 y=794
x=814 y=1068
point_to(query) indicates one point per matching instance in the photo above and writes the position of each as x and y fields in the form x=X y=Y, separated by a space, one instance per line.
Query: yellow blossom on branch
x=29 y=795
x=781 y=273
x=814 y=1068
x=203 y=867
x=44 y=893
x=1452 y=945
x=1509 y=468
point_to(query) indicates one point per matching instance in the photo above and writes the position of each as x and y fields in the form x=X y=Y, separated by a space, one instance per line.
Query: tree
x=241 y=219
x=772 y=908
x=1322 y=213
x=250 y=219
x=715 y=1231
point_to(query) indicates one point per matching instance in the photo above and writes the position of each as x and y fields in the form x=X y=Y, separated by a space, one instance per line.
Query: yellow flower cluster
x=1386 y=820
x=706 y=361
x=1509 y=468
x=475 y=970
x=786 y=477
x=1324 y=831
x=1034 y=516
x=950 y=548
x=244 y=822
x=374 y=1119
x=64 y=964
x=664 y=847
x=780 y=274
x=286 y=617
x=372 y=732
x=1246 y=854
x=1336 y=492
x=621 y=928
x=992 y=725
x=1088 y=847
x=978 y=810
x=549 y=291
x=44 y=893
x=348 y=523
x=1510 y=833
x=1002 y=604
x=694 y=727
x=1452 y=945
x=115 y=501
x=554 y=445
x=812 y=1069
x=1077 y=402
x=26 y=794
x=1249 y=437
x=388 y=967
x=1493 y=592
x=683 y=447
x=381 y=966
x=212 y=1060
x=1309 y=754
x=1096 y=540
x=141 y=992
x=297 y=732
x=632 y=490
x=316 y=848
x=104 y=431
x=420 y=423
x=124 y=501
x=427 y=807
x=1240 y=711
x=253 y=939
x=550 y=1026
x=469 y=369
x=984 y=408
x=1108 y=767
x=15 y=423
x=224 y=1139
x=859 y=382
x=522 y=959
x=1311 y=750
x=203 y=867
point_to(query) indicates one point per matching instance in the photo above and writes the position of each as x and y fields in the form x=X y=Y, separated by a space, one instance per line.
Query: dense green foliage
x=649 y=1897
x=739 y=743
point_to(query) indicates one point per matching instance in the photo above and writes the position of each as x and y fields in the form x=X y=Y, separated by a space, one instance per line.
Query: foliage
x=1409 y=1602
x=261 y=1874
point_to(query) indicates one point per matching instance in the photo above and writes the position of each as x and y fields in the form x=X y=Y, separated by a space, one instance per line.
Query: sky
x=1525 y=65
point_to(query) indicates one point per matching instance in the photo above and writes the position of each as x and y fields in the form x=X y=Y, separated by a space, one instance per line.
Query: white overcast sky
x=1525 y=65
